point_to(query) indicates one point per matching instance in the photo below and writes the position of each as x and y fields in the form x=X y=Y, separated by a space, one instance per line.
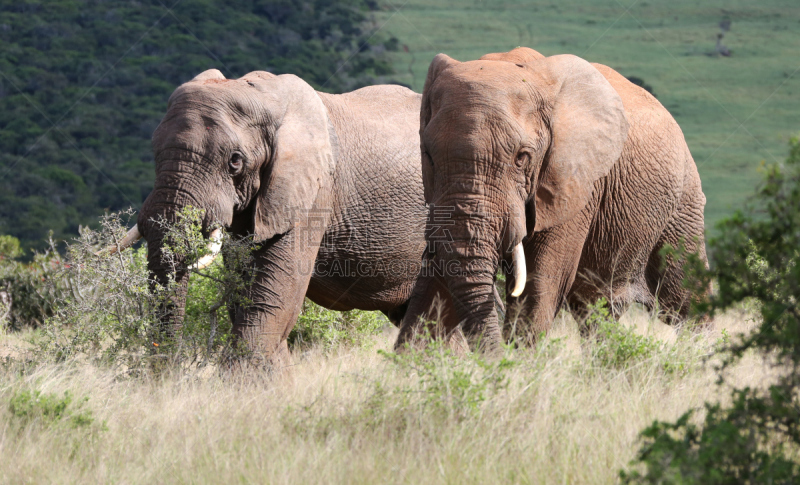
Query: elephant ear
x=439 y=64
x=520 y=55
x=588 y=131
x=302 y=160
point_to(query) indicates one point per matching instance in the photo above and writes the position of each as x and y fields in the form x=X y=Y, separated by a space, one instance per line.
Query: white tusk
x=127 y=241
x=520 y=271
x=214 y=245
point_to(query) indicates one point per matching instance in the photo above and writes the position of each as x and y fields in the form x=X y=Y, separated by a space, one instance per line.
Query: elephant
x=563 y=174
x=328 y=185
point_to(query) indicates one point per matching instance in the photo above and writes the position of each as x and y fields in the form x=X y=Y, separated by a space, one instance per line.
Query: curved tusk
x=520 y=271
x=214 y=245
x=127 y=241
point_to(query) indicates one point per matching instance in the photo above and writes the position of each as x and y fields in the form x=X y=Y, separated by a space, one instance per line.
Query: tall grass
x=360 y=414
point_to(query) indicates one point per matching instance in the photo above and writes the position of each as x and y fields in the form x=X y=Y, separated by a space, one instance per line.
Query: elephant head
x=252 y=152
x=511 y=144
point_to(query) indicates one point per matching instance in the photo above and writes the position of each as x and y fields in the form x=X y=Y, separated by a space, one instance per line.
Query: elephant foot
x=488 y=342
x=419 y=336
x=270 y=363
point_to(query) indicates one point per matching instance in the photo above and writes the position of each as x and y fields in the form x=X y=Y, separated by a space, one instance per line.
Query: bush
x=319 y=326
x=28 y=290
x=109 y=311
x=756 y=438
x=617 y=346
x=29 y=406
x=104 y=307
x=450 y=386
x=429 y=384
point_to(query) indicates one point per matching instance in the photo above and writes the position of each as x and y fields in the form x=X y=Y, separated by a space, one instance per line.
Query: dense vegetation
x=83 y=84
x=755 y=438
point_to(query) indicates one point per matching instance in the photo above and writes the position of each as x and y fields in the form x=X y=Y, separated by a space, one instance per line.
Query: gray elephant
x=562 y=172
x=329 y=185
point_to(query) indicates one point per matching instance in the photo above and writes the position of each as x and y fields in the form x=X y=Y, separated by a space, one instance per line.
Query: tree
x=84 y=84
x=755 y=439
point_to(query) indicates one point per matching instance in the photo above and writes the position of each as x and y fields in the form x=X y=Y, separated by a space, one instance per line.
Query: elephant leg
x=665 y=275
x=431 y=302
x=618 y=299
x=396 y=314
x=283 y=269
x=552 y=258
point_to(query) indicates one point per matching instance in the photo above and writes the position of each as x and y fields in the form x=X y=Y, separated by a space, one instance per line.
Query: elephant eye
x=236 y=163
x=426 y=156
x=522 y=159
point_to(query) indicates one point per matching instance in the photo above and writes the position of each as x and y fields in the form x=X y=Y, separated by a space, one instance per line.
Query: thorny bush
x=319 y=326
x=109 y=311
x=102 y=306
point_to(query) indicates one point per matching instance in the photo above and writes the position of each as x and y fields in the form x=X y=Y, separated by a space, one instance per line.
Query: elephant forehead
x=232 y=100
x=193 y=124
x=471 y=137
x=193 y=133
x=489 y=82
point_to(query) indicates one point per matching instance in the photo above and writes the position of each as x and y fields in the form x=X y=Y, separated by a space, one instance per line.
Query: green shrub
x=29 y=290
x=450 y=386
x=103 y=306
x=30 y=406
x=317 y=325
x=9 y=248
x=617 y=346
x=755 y=439
x=109 y=312
x=430 y=385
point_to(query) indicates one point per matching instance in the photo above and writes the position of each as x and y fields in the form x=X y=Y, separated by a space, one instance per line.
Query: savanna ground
x=569 y=411
x=734 y=111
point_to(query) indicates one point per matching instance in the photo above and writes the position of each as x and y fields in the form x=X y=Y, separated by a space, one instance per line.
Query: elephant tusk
x=127 y=241
x=520 y=271
x=214 y=245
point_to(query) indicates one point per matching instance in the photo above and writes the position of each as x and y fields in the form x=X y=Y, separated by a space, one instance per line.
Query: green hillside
x=83 y=84
x=735 y=111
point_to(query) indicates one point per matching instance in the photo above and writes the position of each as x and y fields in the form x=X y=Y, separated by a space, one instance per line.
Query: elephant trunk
x=172 y=310
x=154 y=220
x=473 y=263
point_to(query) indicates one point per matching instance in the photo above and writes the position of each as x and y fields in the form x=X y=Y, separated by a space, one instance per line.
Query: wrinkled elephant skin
x=328 y=185
x=562 y=161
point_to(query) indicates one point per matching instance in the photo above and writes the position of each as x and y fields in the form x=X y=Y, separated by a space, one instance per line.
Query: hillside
x=734 y=111
x=83 y=84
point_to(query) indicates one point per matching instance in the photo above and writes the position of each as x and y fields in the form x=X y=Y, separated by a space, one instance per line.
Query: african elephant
x=329 y=185
x=562 y=172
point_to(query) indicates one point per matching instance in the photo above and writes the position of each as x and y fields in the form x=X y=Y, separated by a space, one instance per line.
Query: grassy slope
x=353 y=417
x=663 y=42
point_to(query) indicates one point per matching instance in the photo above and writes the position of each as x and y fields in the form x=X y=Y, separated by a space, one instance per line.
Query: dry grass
x=354 y=416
